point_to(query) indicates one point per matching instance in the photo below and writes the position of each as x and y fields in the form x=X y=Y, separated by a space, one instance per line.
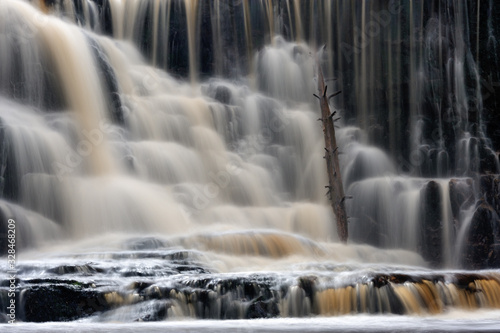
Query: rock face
x=128 y=289
x=461 y=196
x=61 y=303
x=490 y=188
x=480 y=243
x=483 y=238
x=432 y=224
x=8 y=177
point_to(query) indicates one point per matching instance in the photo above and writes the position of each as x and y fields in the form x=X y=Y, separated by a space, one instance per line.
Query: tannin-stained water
x=205 y=198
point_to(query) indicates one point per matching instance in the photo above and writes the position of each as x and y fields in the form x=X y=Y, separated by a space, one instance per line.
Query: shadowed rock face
x=432 y=226
x=61 y=303
x=461 y=196
x=4 y=155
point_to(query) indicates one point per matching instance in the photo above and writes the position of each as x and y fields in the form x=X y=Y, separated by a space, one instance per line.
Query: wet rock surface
x=111 y=288
x=61 y=303
x=483 y=238
x=431 y=233
x=461 y=195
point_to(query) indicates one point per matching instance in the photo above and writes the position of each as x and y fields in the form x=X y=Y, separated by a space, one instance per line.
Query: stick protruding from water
x=335 y=187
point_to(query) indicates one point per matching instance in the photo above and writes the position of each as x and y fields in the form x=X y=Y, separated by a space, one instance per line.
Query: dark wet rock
x=86 y=269
x=106 y=21
x=490 y=190
x=395 y=305
x=3 y=231
x=262 y=309
x=8 y=175
x=381 y=280
x=219 y=92
x=4 y=153
x=431 y=242
x=140 y=285
x=152 y=292
x=58 y=281
x=463 y=281
x=50 y=3
x=110 y=81
x=161 y=270
x=171 y=255
x=7 y=282
x=222 y=298
x=488 y=159
x=461 y=195
x=191 y=269
x=223 y=94
x=308 y=284
x=60 y=303
x=481 y=245
x=153 y=311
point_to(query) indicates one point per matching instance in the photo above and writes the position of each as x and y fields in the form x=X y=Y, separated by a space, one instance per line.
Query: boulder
x=61 y=303
x=490 y=189
x=481 y=248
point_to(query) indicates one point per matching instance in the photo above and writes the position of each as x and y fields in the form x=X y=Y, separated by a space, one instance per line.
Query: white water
x=485 y=321
x=231 y=169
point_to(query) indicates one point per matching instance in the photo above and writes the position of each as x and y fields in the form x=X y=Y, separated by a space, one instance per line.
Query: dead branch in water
x=335 y=187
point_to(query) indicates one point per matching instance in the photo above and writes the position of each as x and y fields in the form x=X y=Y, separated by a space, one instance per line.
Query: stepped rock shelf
x=159 y=284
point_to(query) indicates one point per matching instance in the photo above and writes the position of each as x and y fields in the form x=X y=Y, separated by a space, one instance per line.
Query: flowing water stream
x=162 y=161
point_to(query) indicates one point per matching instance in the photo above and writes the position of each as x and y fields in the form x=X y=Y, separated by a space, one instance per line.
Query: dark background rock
x=461 y=195
x=432 y=225
x=482 y=245
x=481 y=249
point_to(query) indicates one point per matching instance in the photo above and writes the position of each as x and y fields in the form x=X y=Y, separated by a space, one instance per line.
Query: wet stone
x=432 y=225
x=481 y=242
x=60 y=303
x=461 y=195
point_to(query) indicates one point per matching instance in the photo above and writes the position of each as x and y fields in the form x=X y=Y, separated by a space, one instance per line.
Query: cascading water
x=163 y=159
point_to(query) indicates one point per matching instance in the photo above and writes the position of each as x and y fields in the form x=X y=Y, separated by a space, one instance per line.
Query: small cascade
x=157 y=284
x=392 y=294
x=33 y=230
x=221 y=145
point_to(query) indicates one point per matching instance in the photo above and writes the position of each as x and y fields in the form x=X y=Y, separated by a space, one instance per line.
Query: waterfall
x=162 y=153
x=187 y=131
x=122 y=112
